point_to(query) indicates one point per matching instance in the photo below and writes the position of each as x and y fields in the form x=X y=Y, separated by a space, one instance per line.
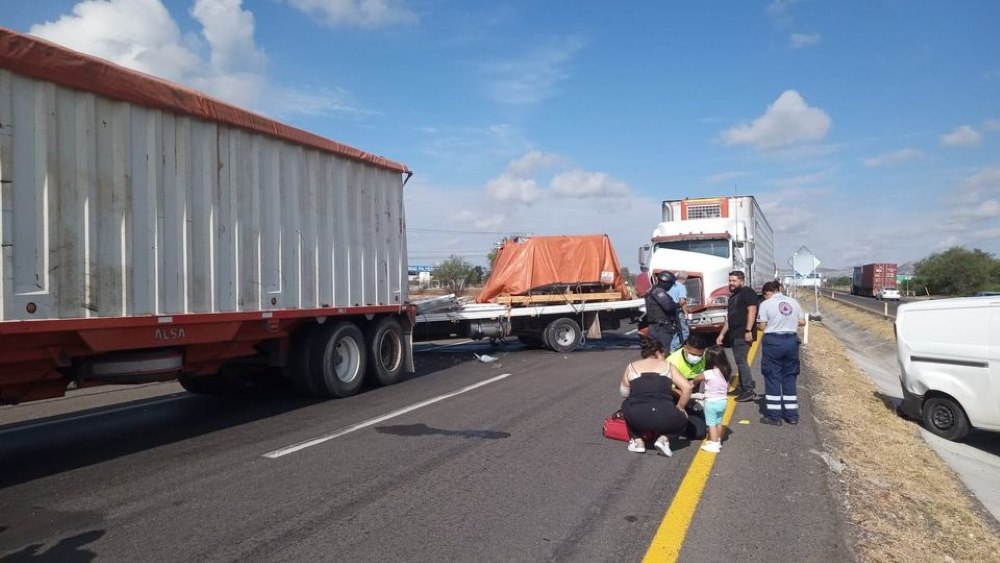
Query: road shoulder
x=768 y=496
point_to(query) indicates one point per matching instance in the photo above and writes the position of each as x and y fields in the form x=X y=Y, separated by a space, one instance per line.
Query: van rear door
x=993 y=357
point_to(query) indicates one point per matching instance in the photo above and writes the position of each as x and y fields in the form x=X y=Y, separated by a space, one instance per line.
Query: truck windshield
x=713 y=247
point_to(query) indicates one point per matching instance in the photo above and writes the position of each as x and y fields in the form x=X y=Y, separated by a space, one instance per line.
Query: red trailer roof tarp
x=524 y=265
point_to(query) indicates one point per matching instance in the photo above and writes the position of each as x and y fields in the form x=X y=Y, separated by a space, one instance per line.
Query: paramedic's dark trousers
x=779 y=363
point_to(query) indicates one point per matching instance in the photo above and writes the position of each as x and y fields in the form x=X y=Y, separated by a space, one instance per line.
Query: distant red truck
x=869 y=279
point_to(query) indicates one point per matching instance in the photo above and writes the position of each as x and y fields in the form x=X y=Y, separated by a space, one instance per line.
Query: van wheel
x=385 y=349
x=944 y=417
x=563 y=335
x=337 y=360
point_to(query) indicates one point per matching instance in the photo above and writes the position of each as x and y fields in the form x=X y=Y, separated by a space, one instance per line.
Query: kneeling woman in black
x=649 y=406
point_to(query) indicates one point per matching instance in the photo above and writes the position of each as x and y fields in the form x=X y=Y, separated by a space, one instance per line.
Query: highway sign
x=903 y=277
x=804 y=262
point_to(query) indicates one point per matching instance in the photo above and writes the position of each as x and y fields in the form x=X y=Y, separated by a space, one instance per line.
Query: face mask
x=691 y=359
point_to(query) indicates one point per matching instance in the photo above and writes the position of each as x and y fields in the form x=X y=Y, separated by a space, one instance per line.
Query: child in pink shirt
x=717 y=374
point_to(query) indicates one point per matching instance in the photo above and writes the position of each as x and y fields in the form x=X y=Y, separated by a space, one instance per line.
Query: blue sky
x=869 y=130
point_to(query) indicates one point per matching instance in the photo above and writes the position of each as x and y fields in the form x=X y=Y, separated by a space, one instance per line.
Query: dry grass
x=904 y=502
x=872 y=322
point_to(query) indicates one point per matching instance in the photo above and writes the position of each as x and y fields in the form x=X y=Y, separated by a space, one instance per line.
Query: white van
x=949 y=364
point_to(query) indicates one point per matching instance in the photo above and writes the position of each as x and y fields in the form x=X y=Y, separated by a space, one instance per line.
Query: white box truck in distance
x=708 y=238
x=151 y=232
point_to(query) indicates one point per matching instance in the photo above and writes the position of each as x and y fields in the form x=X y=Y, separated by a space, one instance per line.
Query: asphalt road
x=513 y=470
x=868 y=302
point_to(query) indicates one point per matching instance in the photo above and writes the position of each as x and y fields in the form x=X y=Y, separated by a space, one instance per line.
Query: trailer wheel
x=385 y=348
x=531 y=340
x=944 y=417
x=337 y=360
x=299 y=368
x=205 y=385
x=563 y=335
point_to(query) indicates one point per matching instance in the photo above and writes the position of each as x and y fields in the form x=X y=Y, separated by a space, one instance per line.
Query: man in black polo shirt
x=740 y=331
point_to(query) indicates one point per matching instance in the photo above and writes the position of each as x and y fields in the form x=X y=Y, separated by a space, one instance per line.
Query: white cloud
x=316 y=102
x=986 y=210
x=802 y=40
x=139 y=34
x=780 y=12
x=724 y=177
x=361 y=13
x=534 y=161
x=521 y=180
x=224 y=60
x=794 y=182
x=533 y=78
x=981 y=186
x=962 y=135
x=842 y=233
x=971 y=211
x=229 y=30
x=788 y=121
x=584 y=184
x=790 y=210
x=891 y=158
x=991 y=125
x=510 y=188
x=628 y=219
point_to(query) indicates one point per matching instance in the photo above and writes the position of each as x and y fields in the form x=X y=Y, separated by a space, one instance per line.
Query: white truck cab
x=707 y=238
x=949 y=364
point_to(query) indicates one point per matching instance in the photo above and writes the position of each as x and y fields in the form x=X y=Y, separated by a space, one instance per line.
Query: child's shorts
x=714 y=409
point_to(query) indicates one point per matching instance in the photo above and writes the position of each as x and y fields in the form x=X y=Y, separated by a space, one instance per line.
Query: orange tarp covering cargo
x=554 y=264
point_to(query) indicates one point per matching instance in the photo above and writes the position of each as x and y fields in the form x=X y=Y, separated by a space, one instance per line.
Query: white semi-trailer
x=151 y=232
x=708 y=238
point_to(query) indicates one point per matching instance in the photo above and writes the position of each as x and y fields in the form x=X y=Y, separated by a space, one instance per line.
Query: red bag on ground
x=615 y=427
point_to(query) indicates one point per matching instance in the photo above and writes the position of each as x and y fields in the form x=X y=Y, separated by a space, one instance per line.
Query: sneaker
x=746 y=397
x=711 y=447
x=636 y=445
x=792 y=421
x=663 y=445
x=770 y=421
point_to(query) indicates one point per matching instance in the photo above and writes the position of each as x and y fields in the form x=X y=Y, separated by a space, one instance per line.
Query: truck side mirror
x=644 y=258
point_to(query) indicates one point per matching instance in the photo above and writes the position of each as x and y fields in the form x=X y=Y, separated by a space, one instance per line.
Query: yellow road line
x=669 y=538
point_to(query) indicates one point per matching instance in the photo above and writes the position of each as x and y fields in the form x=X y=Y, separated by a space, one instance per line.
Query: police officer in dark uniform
x=661 y=309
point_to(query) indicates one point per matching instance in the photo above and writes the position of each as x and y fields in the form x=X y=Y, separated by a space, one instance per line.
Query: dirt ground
x=905 y=503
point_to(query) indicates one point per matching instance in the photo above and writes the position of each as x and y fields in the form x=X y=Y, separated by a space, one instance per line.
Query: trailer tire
x=945 y=417
x=299 y=369
x=385 y=350
x=563 y=335
x=337 y=360
x=532 y=340
x=204 y=385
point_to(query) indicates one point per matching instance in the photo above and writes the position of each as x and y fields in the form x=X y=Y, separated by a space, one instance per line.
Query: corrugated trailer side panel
x=763 y=238
x=111 y=209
